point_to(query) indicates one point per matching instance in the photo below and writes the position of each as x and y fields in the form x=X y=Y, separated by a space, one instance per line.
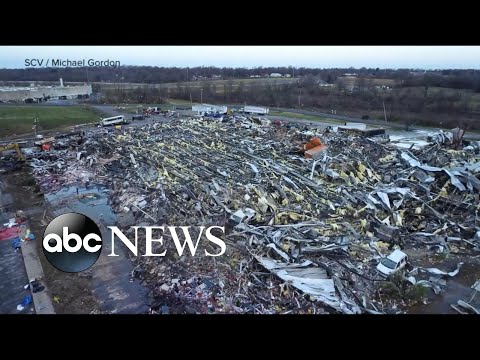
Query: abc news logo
x=73 y=242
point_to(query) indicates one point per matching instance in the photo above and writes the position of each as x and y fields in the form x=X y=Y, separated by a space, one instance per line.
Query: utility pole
x=35 y=122
x=384 y=112
x=87 y=75
x=201 y=96
x=189 y=89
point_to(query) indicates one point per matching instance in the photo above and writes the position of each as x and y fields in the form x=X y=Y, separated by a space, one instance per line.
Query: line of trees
x=412 y=105
x=138 y=95
x=413 y=95
x=458 y=79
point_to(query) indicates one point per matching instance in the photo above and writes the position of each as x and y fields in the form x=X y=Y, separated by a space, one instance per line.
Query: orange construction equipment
x=313 y=148
x=312 y=143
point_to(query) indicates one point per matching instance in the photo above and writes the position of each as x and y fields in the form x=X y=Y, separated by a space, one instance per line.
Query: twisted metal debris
x=303 y=236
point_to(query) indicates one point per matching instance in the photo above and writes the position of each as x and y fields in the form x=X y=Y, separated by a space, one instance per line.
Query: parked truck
x=205 y=108
x=255 y=110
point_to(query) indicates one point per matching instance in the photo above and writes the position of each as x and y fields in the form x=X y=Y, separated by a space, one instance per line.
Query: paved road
x=338 y=117
x=392 y=128
x=13 y=275
x=322 y=114
x=112 y=111
x=395 y=127
x=109 y=110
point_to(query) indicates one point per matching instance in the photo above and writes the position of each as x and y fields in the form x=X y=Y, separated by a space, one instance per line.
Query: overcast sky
x=425 y=57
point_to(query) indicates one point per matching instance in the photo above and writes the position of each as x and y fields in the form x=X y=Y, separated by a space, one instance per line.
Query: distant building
x=275 y=75
x=417 y=73
x=35 y=94
x=323 y=83
x=383 y=87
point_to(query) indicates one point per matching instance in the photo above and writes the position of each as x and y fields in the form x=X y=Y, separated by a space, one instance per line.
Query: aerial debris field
x=305 y=231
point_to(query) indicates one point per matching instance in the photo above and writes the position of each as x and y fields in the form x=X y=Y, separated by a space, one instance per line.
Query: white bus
x=114 y=120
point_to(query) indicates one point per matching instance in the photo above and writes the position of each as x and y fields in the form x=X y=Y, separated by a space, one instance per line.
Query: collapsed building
x=304 y=234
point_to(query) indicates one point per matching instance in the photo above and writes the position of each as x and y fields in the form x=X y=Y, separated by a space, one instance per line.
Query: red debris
x=8 y=233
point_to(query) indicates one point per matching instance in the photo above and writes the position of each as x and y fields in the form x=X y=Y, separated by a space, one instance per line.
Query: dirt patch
x=71 y=293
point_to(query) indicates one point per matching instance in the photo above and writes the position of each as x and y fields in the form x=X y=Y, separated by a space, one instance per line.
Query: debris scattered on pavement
x=8 y=233
x=16 y=243
x=26 y=300
x=36 y=286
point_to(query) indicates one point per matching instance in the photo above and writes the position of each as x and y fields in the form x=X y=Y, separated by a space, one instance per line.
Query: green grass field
x=20 y=119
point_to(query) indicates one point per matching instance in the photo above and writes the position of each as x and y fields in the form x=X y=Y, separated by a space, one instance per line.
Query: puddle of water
x=91 y=201
x=440 y=304
x=458 y=287
x=110 y=275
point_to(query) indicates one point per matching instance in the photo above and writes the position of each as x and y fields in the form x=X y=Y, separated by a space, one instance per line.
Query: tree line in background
x=421 y=105
x=457 y=79
x=442 y=97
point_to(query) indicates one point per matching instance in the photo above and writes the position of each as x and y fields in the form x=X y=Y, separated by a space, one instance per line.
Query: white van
x=392 y=263
x=114 y=120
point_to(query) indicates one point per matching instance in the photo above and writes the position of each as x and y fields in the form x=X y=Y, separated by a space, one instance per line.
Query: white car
x=392 y=263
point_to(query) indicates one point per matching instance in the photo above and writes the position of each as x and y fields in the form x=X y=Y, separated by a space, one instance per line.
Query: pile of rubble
x=303 y=235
